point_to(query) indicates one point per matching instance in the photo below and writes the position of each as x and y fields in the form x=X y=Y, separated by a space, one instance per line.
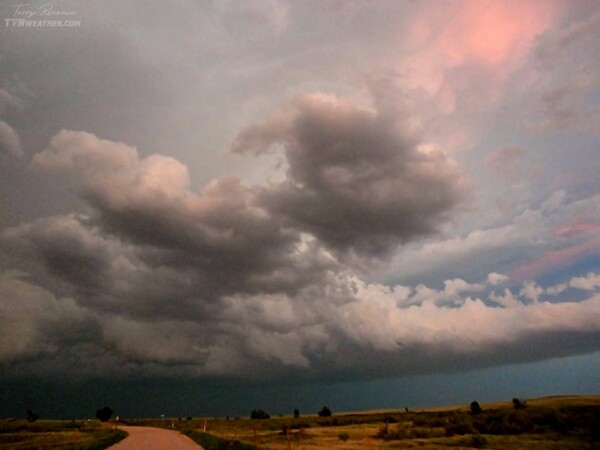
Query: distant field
x=57 y=434
x=551 y=423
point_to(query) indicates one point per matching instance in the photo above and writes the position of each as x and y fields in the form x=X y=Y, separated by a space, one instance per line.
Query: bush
x=325 y=412
x=518 y=404
x=475 y=408
x=259 y=414
x=103 y=414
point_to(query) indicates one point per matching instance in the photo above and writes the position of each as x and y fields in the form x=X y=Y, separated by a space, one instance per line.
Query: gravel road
x=147 y=438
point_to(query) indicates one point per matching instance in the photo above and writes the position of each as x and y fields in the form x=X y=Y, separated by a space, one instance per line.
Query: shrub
x=518 y=404
x=259 y=414
x=325 y=412
x=475 y=408
x=103 y=414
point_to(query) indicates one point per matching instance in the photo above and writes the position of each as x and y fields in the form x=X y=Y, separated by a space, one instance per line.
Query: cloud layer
x=251 y=280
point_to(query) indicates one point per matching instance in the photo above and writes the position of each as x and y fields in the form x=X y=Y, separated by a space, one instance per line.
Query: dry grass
x=550 y=423
x=57 y=434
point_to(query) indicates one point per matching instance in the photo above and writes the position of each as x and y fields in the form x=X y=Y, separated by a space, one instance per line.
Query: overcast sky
x=238 y=193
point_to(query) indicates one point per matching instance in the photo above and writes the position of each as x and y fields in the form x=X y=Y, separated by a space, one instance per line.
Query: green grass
x=210 y=442
x=57 y=434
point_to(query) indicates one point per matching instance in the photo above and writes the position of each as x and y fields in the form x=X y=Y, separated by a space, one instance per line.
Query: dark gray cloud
x=222 y=236
x=356 y=178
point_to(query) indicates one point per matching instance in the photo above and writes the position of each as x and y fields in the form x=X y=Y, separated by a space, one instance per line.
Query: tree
x=325 y=412
x=103 y=414
x=259 y=414
x=475 y=408
x=518 y=404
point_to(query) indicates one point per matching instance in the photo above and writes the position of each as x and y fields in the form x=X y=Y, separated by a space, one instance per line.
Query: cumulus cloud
x=496 y=278
x=356 y=180
x=557 y=289
x=590 y=282
x=532 y=291
x=471 y=328
x=230 y=241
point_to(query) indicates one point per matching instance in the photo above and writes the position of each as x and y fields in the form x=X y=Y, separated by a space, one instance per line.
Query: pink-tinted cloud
x=577 y=228
x=581 y=230
x=484 y=40
x=555 y=259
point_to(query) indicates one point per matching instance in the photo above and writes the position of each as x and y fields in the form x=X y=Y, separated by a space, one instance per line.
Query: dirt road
x=147 y=438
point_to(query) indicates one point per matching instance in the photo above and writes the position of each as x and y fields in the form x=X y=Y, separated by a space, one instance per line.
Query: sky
x=214 y=206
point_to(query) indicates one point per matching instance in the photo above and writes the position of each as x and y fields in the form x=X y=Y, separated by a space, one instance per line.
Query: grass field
x=551 y=423
x=57 y=434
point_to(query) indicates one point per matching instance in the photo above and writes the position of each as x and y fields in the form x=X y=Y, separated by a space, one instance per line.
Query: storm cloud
x=357 y=179
x=234 y=281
